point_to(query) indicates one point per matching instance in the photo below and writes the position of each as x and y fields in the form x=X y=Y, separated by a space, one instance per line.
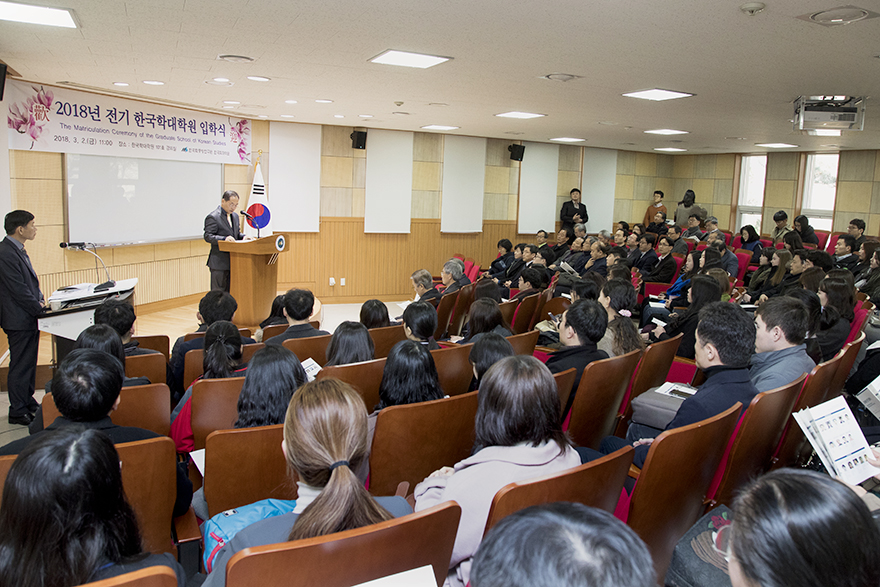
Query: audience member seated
x=222 y=360
x=751 y=241
x=664 y=269
x=450 y=275
x=504 y=259
x=215 y=305
x=528 y=257
x=616 y=255
x=844 y=252
x=725 y=341
x=820 y=259
x=658 y=225
x=351 y=343
x=558 y=544
x=486 y=288
x=723 y=279
x=543 y=258
x=619 y=239
x=712 y=230
x=598 y=262
x=856 y=229
x=781 y=220
x=837 y=315
x=780 y=353
x=85 y=390
x=512 y=270
x=679 y=245
x=778 y=280
x=764 y=271
x=647 y=257
x=484 y=317
x=871 y=284
x=275 y=318
x=487 y=351
x=806 y=232
x=119 y=315
x=419 y=324
x=813 y=306
x=423 y=285
x=676 y=294
x=865 y=254
x=325 y=441
x=374 y=314
x=794 y=527
x=792 y=241
x=809 y=279
x=64 y=520
x=621 y=336
x=529 y=283
x=572 y=256
x=693 y=231
x=729 y=261
x=703 y=291
x=561 y=244
x=581 y=328
x=464 y=279
x=298 y=307
x=518 y=436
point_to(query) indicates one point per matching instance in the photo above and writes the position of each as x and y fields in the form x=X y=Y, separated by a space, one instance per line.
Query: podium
x=253 y=275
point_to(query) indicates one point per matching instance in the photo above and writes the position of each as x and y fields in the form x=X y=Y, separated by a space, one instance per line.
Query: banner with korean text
x=61 y=120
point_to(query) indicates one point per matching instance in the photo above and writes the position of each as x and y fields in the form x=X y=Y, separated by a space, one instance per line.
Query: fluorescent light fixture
x=568 y=140
x=152 y=82
x=824 y=132
x=120 y=84
x=231 y=102
x=365 y=116
x=258 y=78
x=229 y=107
x=439 y=127
x=263 y=116
x=522 y=115
x=36 y=15
x=405 y=59
x=670 y=149
x=657 y=95
x=221 y=80
x=290 y=101
x=287 y=116
x=666 y=131
x=775 y=145
x=338 y=116
x=324 y=101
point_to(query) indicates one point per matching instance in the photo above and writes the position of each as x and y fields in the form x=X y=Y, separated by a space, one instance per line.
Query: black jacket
x=664 y=270
x=566 y=215
x=216 y=230
x=574 y=356
x=19 y=289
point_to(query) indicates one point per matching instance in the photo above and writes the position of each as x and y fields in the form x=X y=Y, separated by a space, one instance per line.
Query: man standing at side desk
x=20 y=303
x=222 y=225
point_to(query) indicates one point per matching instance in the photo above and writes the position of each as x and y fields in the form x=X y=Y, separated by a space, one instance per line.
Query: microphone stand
x=249 y=217
x=107 y=284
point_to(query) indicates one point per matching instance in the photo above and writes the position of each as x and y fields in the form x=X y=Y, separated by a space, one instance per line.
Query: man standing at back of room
x=222 y=225
x=20 y=303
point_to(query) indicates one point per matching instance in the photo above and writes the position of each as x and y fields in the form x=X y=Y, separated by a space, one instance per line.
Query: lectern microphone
x=72 y=245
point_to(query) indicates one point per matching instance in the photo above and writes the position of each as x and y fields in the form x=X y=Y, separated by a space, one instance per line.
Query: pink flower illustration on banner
x=240 y=134
x=31 y=116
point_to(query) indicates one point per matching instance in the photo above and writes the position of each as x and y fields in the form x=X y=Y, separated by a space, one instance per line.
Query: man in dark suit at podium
x=222 y=225
x=20 y=302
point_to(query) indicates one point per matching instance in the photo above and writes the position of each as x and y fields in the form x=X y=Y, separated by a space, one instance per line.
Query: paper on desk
x=420 y=577
x=659 y=322
x=657 y=304
x=311 y=367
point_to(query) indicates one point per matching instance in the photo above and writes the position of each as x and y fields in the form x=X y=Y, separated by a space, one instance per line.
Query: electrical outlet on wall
x=342 y=282
x=332 y=281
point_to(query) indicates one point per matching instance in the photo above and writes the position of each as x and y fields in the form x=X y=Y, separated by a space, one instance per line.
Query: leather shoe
x=23 y=420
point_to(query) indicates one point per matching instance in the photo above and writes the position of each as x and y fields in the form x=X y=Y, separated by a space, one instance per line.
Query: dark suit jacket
x=499 y=266
x=297 y=331
x=430 y=295
x=663 y=271
x=849 y=262
x=452 y=288
x=599 y=266
x=574 y=356
x=645 y=263
x=19 y=289
x=566 y=215
x=216 y=230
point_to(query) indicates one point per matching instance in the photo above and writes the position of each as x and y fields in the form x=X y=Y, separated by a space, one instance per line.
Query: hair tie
x=338 y=464
x=625 y=313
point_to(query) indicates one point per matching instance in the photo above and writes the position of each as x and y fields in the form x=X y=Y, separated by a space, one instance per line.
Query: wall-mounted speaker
x=516 y=152
x=359 y=139
x=2 y=79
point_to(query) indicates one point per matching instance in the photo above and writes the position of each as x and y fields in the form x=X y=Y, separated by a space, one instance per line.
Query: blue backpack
x=220 y=529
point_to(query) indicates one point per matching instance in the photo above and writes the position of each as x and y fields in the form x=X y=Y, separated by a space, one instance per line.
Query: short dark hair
x=487 y=288
x=858 y=223
x=229 y=194
x=788 y=314
x=659 y=192
x=117 y=314
x=520 y=246
x=780 y=216
x=589 y=320
x=848 y=241
x=573 y=190
x=793 y=239
x=587 y=289
x=696 y=215
x=533 y=249
x=803 y=254
x=811 y=278
x=676 y=229
x=505 y=244
x=562 y=544
x=821 y=259
x=87 y=384
x=730 y=329
x=603 y=248
x=618 y=252
x=720 y=247
x=15 y=219
x=374 y=314
x=518 y=403
x=667 y=239
x=102 y=337
x=351 y=343
x=299 y=304
x=488 y=350
x=624 y=225
x=618 y=270
x=542 y=231
x=649 y=237
x=546 y=254
x=484 y=316
x=217 y=305
x=409 y=377
x=531 y=276
x=421 y=318
x=273 y=374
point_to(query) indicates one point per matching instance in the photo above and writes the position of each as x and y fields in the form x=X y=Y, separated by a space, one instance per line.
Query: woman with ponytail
x=222 y=360
x=325 y=440
x=618 y=297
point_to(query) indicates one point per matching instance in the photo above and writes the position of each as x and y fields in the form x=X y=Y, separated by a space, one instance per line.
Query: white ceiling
x=744 y=70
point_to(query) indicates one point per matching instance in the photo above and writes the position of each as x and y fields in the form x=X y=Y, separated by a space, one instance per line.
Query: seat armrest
x=634 y=472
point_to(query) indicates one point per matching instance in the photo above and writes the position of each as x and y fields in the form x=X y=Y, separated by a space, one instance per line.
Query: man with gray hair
x=423 y=285
x=712 y=228
x=464 y=279
x=580 y=231
x=452 y=272
x=605 y=237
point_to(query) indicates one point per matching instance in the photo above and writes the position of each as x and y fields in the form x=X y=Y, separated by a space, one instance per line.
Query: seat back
x=154 y=342
x=157 y=576
x=823 y=237
x=274 y=330
x=668 y=496
x=524 y=344
x=742 y=260
x=737 y=241
x=858 y=324
x=832 y=241
x=151 y=366
x=508 y=309
x=751 y=447
x=385 y=338
x=413 y=441
x=462 y=307
x=444 y=311
x=453 y=368
x=194 y=361
x=386 y=548
x=364 y=377
x=245 y=465
x=555 y=307
x=564 y=384
x=848 y=355
x=545 y=296
x=598 y=398
x=141 y=406
x=595 y=484
x=651 y=372
x=246 y=332
x=149 y=478
x=524 y=314
x=214 y=407
x=312 y=347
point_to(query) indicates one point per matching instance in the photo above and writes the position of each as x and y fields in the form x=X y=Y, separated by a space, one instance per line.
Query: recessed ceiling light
x=440 y=127
x=290 y=101
x=824 y=132
x=121 y=84
x=838 y=16
x=406 y=59
x=568 y=140
x=657 y=95
x=36 y=15
x=324 y=101
x=400 y=113
x=229 y=107
x=231 y=102
x=221 y=79
x=258 y=78
x=829 y=146
x=287 y=116
x=666 y=131
x=670 y=149
x=262 y=116
x=561 y=77
x=735 y=138
x=152 y=82
x=227 y=83
x=607 y=123
x=338 y=116
x=775 y=145
x=365 y=116
x=523 y=115
x=235 y=58
x=444 y=104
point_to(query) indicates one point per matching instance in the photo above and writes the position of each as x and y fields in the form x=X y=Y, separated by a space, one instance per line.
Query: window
x=820 y=189
x=751 y=191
